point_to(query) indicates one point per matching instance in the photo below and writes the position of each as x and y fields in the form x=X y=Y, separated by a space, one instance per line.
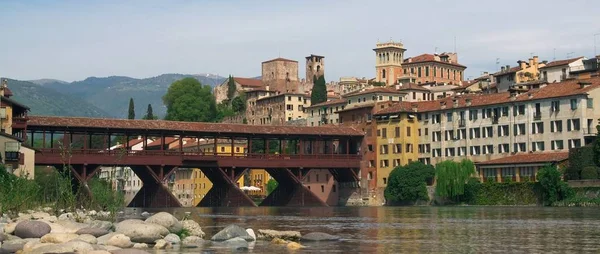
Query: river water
x=414 y=229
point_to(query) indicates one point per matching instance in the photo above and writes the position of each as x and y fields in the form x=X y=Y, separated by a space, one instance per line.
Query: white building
x=558 y=71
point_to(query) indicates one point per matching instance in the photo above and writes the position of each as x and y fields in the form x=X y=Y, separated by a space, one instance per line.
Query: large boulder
x=10 y=227
x=34 y=244
x=140 y=231
x=12 y=246
x=318 y=236
x=161 y=244
x=58 y=238
x=103 y=239
x=86 y=238
x=235 y=243
x=120 y=240
x=232 y=231
x=106 y=225
x=97 y=232
x=68 y=247
x=193 y=228
x=166 y=220
x=67 y=226
x=268 y=234
x=31 y=229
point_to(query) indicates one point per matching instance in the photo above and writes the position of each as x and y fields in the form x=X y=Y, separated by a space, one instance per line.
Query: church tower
x=315 y=66
x=388 y=62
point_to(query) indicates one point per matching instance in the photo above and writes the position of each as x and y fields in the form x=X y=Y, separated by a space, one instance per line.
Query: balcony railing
x=462 y=123
x=537 y=116
x=590 y=131
x=19 y=122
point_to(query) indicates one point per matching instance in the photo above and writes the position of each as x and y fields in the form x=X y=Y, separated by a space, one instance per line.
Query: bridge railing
x=191 y=155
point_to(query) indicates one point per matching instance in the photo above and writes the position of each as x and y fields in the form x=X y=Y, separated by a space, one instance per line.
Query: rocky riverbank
x=90 y=232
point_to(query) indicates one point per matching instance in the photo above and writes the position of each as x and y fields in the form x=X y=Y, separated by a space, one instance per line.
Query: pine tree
x=149 y=115
x=319 y=90
x=131 y=109
x=231 y=88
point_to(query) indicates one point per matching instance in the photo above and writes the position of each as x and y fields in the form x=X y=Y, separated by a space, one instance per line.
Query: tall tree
x=188 y=100
x=231 y=88
x=451 y=177
x=319 y=90
x=149 y=114
x=131 y=114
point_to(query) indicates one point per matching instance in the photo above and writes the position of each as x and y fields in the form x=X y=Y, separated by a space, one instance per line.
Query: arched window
x=388 y=56
x=383 y=74
x=318 y=68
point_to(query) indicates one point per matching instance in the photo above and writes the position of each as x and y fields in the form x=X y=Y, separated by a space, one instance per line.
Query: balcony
x=495 y=120
x=537 y=116
x=590 y=131
x=462 y=123
x=19 y=122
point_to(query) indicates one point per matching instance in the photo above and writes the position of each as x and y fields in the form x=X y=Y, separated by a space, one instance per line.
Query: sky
x=71 y=40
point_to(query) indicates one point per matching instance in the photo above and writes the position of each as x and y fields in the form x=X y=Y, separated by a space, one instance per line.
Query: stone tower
x=388 y=61
x=315 y=66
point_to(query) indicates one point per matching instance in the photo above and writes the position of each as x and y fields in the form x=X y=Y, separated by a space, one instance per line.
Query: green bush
x=552 y=187
x=492 y=193
x=589 y=172
x=271 y=186
x=471 y=189
x=16 y=193
x=407 y=184
x=579 y=158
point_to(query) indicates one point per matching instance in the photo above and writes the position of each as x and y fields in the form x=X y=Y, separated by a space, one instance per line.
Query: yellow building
x=259 y=178
x=397 y=141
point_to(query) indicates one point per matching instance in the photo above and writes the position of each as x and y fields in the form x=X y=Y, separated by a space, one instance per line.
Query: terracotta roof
x=543 y=157
x=280 y=59
x=327 y=103
x=158 y=141
x=411 y=86
x=175 y=128
x=249 y=82
x=356 y=107
x=427 y=58
x=375 y=90
x=511 y=70
x=561 y=62
x=553 y=90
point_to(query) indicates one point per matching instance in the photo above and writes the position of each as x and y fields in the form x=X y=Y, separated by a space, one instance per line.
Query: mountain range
x=99 y=96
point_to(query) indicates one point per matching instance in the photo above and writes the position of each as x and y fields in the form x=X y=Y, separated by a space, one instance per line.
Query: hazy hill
x=47 y=101
x=111 y=94
x=47 y=81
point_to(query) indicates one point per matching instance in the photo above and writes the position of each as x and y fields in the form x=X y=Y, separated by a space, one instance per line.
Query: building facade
x=324 y=113
x=388 y=62
x=558 y=71
x=241 y=85
x=508 y=77
x=278 y=109
x=439 y=68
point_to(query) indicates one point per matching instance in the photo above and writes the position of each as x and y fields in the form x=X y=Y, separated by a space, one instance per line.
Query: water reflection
x=418 y=229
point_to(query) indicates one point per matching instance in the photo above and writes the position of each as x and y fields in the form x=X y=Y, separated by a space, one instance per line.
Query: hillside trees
x=149 y=114
x=188 y=100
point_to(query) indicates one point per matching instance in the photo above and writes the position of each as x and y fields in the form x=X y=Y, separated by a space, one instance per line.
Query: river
x=414 y=229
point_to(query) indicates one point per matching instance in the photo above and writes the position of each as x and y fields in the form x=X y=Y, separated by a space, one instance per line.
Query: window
x=555 y=106
x=426 y=131
x=461 y=133
x=475 y=133
x=504 y=111
x=556 y=126
x=396 y=162
x=462 y=151
x=426 y=71
x=384 y=132
x=537 y=146
x=289 y=98
x=519 y=129
x=222 y=149
x=473 y=114
x=437 y=136
x=450 y=152
x=503 y=131
x=488 y=132
x=488 y=149
x=322 y=188
x=437 y=152
x=398 y=148
x=397 y=130
x=573 y=104
x=519 y=110
x=557 y=145
x=408 y=131
x=526 y=171
x=435 y=118
x=383 y=149
x=370 y=148
x=573 y=143
x=475 y=150
x=590 y=103
x=519 y=147
x=419 y=72
x=449 y=117
x=573 y=125
x=449 y=135
x=419 y=132
x=503 y=148
x=409 y=148
x=384 y=163
x=537 y=128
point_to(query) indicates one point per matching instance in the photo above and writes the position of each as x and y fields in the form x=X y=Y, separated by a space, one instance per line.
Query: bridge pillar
x=153 y=192
x=348 y=184
x=290 y=191
x=225 y=192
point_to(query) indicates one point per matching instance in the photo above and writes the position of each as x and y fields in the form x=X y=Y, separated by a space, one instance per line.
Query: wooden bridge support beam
x=225 y=192
x=290 y=191
x=80 y=175
x=153 y=192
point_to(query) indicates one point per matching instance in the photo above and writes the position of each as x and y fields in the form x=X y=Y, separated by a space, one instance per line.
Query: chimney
x=530 y=61
x=535 y=59
x=267 y=87
x=507 y=67
x=455 y=102
x=513 y=96
x=414 y=107
x=468 y=101
x=584 y=84
x=443 y=104
x=530 y=95
x=502 y=68
x=523 y=64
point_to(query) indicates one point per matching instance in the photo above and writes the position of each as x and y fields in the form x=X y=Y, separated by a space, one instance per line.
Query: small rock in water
x=140 y=246
x=278 y=241
x=145 y=214
x=236 y=243
x=172 y=238
x=120 y=240
x=251 y=233
x=232 y=231
x=318 y=236
x=58 y=238
x=10 y=227
x=193 y=228
x=166 y=220
x=192 y=241
x=162 y=244
x=268 y=234
x=66 y=216
x=294 y=246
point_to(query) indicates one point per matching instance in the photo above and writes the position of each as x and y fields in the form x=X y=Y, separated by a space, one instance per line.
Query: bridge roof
x=173 y=127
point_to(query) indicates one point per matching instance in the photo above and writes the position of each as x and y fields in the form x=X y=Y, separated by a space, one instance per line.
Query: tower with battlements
x=388 y=61
x=315 y=66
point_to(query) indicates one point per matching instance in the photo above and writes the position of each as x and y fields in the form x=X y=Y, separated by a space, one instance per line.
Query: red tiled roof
x=191 y=128
x=280 y=59
x=411 y=86
x=157 y=142
x=375 y=90
x=553 y=90
x=561 y=62
x=249 y=82
x=544 y=157
x=427 y=58
x=327 y=103
x=356 y=107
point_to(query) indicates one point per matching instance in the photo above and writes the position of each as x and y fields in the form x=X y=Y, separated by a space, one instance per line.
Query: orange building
x=388 y=62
